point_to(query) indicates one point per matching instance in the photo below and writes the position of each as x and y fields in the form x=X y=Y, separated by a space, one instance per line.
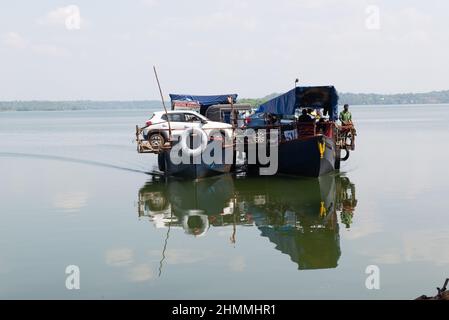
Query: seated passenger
x=272 y=119
x=304 y=117
x=310 y=112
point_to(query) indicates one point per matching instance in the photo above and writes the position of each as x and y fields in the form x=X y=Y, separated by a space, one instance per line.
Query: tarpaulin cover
x=325 y=97
x=204 y=101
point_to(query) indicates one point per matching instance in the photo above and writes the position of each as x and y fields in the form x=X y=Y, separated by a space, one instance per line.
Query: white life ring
x=185 y=136
x=202 y=230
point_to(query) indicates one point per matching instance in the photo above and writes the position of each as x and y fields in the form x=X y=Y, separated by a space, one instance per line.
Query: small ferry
x=309 y=146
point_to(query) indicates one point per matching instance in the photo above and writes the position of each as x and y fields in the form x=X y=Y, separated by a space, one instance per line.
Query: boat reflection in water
x=300 y=216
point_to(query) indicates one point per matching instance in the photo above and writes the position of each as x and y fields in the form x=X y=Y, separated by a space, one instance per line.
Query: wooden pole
x=233 y=112
x=234 y=123
x=163 y=102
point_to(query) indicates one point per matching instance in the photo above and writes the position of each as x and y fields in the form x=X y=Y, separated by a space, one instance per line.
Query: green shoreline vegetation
x=434 y=97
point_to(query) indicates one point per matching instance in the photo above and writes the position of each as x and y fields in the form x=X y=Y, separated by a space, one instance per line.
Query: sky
x=105 y=50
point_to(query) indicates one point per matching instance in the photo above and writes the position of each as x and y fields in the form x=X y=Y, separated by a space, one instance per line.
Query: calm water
x=73 y=191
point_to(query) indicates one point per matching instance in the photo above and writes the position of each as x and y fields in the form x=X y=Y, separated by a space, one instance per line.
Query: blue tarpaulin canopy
x=325 y=97
x=204 y=101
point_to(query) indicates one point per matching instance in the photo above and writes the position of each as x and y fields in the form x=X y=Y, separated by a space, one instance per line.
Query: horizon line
x=158 y=100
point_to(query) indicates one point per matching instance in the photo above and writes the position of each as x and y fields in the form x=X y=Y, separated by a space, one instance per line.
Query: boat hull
x=196 y=168
x=309 y=157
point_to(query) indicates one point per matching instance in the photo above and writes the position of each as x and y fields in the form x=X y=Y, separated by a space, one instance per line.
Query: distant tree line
x=433 y=97
x=76 y=105
x=258 y=101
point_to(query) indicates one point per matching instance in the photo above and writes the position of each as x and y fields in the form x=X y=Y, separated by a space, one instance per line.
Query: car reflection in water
x=300 y=216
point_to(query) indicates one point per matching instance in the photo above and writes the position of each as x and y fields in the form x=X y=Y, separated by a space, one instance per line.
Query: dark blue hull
x=309 y=157
x=193 y=170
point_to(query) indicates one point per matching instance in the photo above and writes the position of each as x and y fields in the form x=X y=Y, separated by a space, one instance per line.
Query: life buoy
x=202 y=222
x=185 y=136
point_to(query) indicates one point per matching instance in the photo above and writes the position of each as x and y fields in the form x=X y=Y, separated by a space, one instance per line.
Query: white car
x=156 y=130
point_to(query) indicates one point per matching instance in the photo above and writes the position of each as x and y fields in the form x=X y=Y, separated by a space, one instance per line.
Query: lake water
x=73 y=191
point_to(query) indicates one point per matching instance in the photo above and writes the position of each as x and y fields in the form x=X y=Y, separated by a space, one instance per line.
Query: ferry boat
x=185 y=121
x=308 y=148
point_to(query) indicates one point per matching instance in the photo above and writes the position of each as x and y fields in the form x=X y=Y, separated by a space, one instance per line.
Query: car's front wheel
x=156 y=140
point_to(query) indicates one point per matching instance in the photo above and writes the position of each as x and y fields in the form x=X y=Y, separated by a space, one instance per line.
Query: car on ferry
x=256 y=124
x=156 y=129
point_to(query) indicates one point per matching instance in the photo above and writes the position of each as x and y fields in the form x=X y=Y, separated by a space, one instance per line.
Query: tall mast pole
x=163 y=102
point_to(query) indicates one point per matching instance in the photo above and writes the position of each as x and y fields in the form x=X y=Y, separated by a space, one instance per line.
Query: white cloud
x=124 y=258
x=69 y=17
x=237 y=264
x=119 y=257
x=141 y=273
x=182 y=256
x=365 y=226
x=409 y=26
x=427 y=246
x=14 y=40
x=67 y=201
x=50 y=50
x=237 y=45
x=390 y=257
